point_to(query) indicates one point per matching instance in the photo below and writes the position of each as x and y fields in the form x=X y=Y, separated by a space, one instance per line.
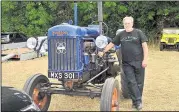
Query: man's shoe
x=139 y=106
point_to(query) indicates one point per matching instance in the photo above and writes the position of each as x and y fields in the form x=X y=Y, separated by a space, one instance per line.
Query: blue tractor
x=73 y=60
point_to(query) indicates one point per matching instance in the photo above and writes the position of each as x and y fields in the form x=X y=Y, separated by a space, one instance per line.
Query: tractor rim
x=39 y=99
x=114 y=100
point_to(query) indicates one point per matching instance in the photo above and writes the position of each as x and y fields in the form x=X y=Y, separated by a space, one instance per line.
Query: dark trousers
x=135 y=76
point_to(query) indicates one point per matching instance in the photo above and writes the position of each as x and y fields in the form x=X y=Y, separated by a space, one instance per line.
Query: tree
x=36 y=17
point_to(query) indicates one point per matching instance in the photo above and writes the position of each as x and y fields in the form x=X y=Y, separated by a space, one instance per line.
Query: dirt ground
x=161 y=90
x=16 y=51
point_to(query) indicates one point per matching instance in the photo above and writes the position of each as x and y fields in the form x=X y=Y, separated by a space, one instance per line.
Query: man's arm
x=107 y=48
x=116 y=41
x=145 y=51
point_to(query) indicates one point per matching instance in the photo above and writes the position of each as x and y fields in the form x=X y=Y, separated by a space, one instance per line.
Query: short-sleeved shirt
x=131 y=44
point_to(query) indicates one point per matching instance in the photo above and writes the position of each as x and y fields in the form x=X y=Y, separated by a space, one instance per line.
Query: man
x=134 y=58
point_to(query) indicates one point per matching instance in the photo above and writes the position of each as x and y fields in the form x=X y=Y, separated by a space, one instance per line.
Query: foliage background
x=36 y=17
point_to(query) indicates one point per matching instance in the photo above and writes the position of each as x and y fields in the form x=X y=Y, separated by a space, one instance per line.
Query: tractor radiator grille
x=64 y=54
x=171 y=40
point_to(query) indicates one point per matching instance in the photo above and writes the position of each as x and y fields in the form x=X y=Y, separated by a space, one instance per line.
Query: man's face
x=128 y=24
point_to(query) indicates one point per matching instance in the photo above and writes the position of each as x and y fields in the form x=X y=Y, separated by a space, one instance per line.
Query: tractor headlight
x=32 y=43
x=101 y=41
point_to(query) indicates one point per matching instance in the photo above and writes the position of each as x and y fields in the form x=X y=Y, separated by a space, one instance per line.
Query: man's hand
x=101 y=54
x=144 y=63
x=107 y=48
x=145 y=50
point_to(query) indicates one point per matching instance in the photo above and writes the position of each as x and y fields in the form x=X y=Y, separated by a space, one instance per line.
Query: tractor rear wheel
x=124 y=86
x=32 y=88
x=110 y=95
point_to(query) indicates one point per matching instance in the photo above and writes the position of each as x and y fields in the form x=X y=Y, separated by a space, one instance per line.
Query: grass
x=161 y=90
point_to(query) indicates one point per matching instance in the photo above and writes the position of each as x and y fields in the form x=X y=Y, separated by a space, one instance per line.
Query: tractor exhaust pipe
x=100 y=16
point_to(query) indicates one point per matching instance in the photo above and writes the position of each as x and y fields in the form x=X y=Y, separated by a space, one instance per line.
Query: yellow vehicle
x=170 y=38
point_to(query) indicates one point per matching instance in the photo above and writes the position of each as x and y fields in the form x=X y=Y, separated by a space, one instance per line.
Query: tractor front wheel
x=110 y=95
x=32 y=88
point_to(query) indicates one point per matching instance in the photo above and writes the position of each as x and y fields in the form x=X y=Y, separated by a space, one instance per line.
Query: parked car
x=170 y=38
x=13 y=37
x=16 y=100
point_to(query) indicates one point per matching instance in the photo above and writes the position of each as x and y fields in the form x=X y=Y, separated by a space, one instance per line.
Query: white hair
x=128 y=17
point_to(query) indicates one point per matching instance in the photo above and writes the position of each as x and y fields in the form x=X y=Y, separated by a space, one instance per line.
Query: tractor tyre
x=110 y=95
x=124 y=86
x=119 y=56
x=115 y=69
x=32 y=88
x=161 y=47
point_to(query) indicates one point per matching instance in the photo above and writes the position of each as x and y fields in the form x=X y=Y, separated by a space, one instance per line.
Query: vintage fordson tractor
x=73 y=60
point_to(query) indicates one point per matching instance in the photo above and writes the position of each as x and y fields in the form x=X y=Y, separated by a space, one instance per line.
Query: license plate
x=67 y=75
